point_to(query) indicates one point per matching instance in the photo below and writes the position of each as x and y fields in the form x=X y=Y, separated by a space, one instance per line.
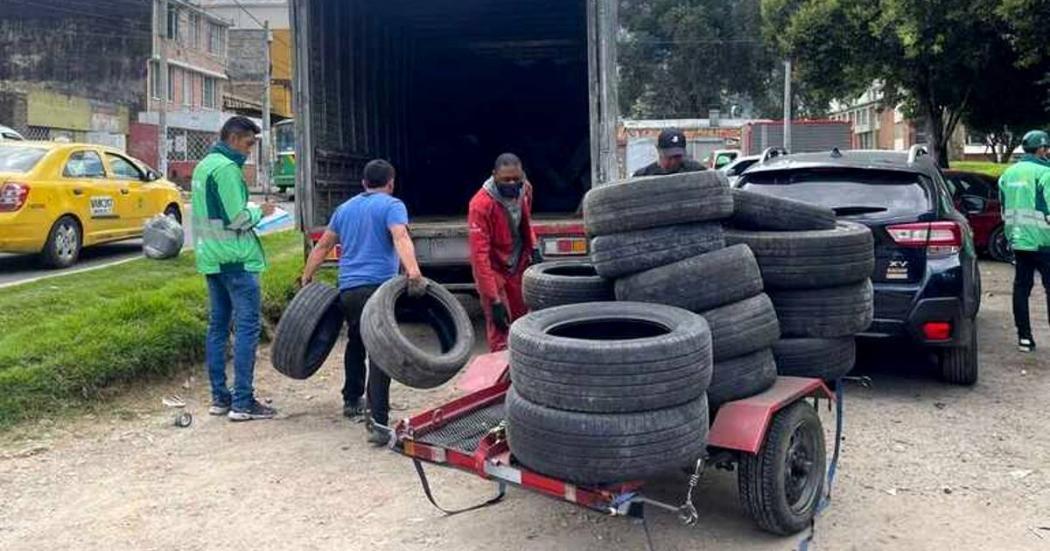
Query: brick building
x=876 y=126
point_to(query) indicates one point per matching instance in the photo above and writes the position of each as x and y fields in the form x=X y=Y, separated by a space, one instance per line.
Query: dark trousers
x=1026 y=264
x=378 y=387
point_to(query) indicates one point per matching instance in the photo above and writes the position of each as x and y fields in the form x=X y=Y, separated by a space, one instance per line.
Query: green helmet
x=1035 y=139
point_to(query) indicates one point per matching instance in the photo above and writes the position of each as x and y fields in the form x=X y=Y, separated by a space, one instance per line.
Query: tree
x=1009 y=103
x=929 y=55
x=681 y=58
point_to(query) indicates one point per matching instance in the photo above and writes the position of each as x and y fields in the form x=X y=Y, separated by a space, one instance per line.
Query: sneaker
x=1026 y=344
x=255 y=411
x=354 y=408
x=219 y=408
x=378 y=436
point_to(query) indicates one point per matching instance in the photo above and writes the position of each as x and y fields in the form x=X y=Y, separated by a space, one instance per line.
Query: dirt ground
x=924 y=466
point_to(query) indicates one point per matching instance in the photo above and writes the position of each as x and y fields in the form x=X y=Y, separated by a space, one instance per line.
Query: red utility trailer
x=774 y=439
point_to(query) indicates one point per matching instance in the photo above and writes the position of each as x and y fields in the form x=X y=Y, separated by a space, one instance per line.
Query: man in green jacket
x=1024 y=191
x=231 y=257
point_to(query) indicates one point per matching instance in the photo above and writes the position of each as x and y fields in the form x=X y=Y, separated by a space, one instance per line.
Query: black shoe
x=255 y=411
x=354 y=408
x=378 y=436
x=1026 y=344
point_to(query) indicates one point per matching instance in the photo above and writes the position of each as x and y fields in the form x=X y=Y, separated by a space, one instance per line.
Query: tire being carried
x=610 y=357
x=404 y=361
x=756 y=211
x=814 y=259
x=562 y=282
x=620 y=254
x=598 y=448
x=307 y=331
x=655 y=201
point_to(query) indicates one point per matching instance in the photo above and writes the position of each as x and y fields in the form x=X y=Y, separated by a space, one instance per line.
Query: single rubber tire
x=405 y=362
x=610 y=357
x=781 y=485
x=811 y=259
x=757 y=211
x=828 y=359
x=307 y=331
x=742 y=377
x=620 y=254
x=959 y=366
x=742 y=327
x=562 y=282
x=655 y=201
x=600 y=448
x=63 y=245
x=824 y=313
x=697 y=284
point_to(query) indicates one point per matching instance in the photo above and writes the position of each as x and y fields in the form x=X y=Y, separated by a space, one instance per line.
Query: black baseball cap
x=671 y=142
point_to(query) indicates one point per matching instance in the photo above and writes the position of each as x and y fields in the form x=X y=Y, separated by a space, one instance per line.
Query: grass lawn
x=70 y=339
x=992 y=169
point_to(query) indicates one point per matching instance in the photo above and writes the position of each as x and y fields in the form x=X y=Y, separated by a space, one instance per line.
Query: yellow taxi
x=56 y=198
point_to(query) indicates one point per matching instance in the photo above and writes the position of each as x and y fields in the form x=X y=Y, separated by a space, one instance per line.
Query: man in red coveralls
x=502 y=245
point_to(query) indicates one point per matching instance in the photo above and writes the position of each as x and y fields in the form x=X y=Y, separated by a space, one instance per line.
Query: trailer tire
x=824 y=313
x=828 y=359
x=562 y=282
x=307 y=331
x=741 y=377
x=620 y=254
x=697 y=284
x=645 y=357
x=757 y=211
x=742 y=327
x=655 y=201
x=599 y=448
x=810 y=259
x=791 y=461
x=391 y=351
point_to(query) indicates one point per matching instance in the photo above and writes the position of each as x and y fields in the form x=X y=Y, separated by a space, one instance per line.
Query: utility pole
x=160 y=36
x=264 y=146
x=787 y=104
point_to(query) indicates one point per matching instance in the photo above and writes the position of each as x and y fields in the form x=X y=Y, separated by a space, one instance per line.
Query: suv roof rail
x=772 y=153
x=916 y=151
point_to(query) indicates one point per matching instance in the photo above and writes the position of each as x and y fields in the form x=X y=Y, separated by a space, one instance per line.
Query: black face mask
x=511 y=190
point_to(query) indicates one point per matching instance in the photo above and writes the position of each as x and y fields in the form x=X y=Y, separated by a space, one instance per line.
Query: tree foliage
x=931 y=55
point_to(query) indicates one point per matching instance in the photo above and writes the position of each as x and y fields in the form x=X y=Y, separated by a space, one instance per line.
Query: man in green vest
x=231 y=257
x=1024 y=190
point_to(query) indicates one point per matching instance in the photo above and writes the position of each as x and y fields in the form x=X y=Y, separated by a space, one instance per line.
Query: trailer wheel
x=781 y=486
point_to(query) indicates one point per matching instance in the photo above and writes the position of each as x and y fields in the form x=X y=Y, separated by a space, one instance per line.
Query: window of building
x=187 y=87
x=195 y=30
x=154 y=80
x=216 y=39
x=171 y=83
x=209 y=93
x=173 y=22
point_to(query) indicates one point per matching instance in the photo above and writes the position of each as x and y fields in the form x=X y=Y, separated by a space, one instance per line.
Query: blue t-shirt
x=363 y=226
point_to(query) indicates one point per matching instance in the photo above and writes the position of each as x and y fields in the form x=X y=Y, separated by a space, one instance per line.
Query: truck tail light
x=564 y=246
x=938 y=238
x=12 y=196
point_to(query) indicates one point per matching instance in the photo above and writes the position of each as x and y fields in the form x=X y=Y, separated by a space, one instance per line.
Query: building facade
x=876 y=126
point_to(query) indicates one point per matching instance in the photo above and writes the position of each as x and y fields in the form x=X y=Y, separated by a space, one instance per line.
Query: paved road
x=16 y=268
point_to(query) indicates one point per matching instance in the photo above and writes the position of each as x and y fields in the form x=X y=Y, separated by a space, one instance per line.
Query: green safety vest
x=1024 y=190
x=223 y=223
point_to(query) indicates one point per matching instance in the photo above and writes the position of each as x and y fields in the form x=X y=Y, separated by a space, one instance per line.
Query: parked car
x=720 y=158
x=977 y=196
x=927 y=285
x=56 y=198
x=9 y=134
x=734 y=169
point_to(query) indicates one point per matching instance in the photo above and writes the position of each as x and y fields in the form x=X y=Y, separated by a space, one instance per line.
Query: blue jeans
x=235 y=296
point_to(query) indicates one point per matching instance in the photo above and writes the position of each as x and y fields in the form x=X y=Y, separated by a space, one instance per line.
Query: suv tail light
x=13 y=196
x=938 y=238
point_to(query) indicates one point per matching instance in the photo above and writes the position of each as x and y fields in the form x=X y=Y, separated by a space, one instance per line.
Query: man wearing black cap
x=672 y=159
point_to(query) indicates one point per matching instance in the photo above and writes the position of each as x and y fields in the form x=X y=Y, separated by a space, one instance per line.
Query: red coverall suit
x=491 y=244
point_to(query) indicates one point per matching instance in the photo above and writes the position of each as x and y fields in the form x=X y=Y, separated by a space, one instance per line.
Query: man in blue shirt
x=372 y=229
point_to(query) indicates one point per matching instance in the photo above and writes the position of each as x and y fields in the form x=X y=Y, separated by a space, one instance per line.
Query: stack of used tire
x=662 y=241
x=816 y=270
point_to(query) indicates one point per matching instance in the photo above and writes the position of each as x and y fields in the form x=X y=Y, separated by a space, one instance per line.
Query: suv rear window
x=20 y=159
x=848 y=192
